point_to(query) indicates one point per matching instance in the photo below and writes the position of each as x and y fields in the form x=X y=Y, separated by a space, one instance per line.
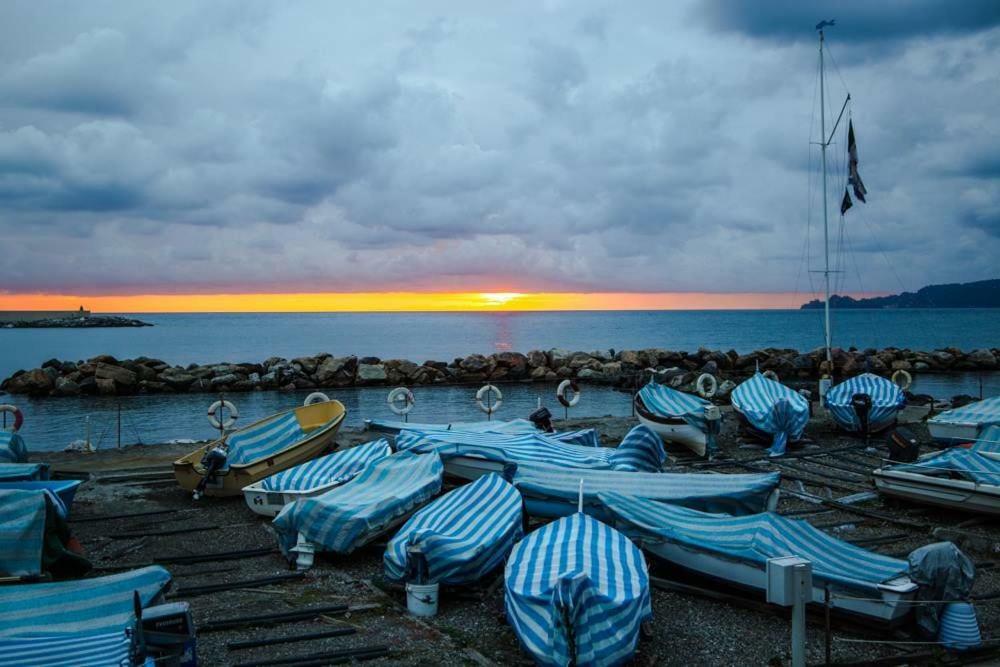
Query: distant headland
x=69 y=319
x=980 y=294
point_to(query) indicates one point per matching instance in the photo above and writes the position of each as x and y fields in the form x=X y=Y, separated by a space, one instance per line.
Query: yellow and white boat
x=263 y=448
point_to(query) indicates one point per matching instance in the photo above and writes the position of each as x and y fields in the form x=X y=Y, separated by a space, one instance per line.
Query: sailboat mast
x=826 y=224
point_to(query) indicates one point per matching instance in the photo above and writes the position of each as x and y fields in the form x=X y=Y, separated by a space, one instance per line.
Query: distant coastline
x=980 y=294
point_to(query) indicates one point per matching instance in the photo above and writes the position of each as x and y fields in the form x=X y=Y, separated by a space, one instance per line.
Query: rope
x=847 y=640
x=913 y=602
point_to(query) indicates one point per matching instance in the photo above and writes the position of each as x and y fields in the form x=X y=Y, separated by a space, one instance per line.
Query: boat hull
x=65 y=489
x=951 y=493
x=554 y=508
x=270 y=503
x=953 y=433
x=323 y=419
x=672 y=429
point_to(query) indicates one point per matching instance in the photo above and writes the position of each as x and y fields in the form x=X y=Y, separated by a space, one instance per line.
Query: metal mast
x=826 y=225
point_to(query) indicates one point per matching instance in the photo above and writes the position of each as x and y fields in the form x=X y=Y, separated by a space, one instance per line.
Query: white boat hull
x=554 y=508
x=889 y=609
x=951 y=433
x=951 y=493
x=681 y=434
x=270 y=503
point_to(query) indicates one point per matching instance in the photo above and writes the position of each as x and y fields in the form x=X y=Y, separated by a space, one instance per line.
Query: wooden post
x=826 y=611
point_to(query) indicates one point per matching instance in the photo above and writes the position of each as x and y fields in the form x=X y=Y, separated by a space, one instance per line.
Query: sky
x=319 y=155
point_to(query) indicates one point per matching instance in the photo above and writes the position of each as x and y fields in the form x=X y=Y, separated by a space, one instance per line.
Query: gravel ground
x=687 y=630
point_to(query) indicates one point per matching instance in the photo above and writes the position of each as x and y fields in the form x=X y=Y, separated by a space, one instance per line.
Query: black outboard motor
x=542 y=419
x=903 y=446
x=213 y=461
x=862 y=404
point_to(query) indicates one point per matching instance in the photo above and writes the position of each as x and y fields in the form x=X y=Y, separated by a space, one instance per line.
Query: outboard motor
x=542 y=419
x=862 y=404
x=213 y=461
x=903 y=446
x=713 y=425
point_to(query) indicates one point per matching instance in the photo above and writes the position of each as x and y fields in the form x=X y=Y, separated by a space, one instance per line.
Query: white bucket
x=422 y=599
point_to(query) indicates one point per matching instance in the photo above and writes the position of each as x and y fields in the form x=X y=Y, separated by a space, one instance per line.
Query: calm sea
x=207 y=338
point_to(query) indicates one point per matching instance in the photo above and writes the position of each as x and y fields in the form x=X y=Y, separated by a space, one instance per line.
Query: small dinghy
x=771 y=410
x=675 y=416
x=349 y=516
x=865 y=404
x=392 y=427
x=576 y=592
x=312 y=478
x=735 y=550
x=245 y=456
x=461 y=537
x=553 y=491
x=470 y=455
x=966 y=423
x=34 y=536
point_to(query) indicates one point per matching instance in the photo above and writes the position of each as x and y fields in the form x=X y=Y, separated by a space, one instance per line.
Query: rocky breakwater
x=106 y=375
x=88 y=322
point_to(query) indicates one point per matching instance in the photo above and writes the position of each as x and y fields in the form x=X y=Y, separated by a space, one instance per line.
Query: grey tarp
x=942 y=572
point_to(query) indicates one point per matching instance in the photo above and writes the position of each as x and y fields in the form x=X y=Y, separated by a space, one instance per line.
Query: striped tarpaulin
x=773 y=408
x=732 y=494
x=755 y=539
x=81 y=606
x=264 y=440
x=352 y=514
x=22 y=532
x=666 y=402
x=330 y=469
x=512 y=426
x=988 y=440
x=586 y=437
x=12 y=448
x=981 y=413
x=87 y=650
x=641 y=450
x=973 y=465
x=23 y=472
x=576 y=592
x=887 y=400
x=463 y=535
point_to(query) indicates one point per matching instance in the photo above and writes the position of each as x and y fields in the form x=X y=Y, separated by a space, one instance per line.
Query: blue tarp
x=586 y=437
x=512 y=426
x=15 y=472
x=330 y=469
x=576 y=591
x=12 y=448
x=641 y=450
x=22 y=532
x=981 y=413
x=264 y=440
x=97 y=650
x=988 y=440
x=352 y=514
x=464 y=534
x=887 y=400
x=732 y=494
x=754 y=539
x=78 y=607
x=64 y=490
x=969 y=464
x=773 y=408
x=666 y=402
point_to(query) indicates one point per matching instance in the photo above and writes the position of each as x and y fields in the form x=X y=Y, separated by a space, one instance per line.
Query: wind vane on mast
x=823 y=24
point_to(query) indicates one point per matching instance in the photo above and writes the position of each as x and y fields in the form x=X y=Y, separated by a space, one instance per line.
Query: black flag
x=846 y=202
x=852 y=170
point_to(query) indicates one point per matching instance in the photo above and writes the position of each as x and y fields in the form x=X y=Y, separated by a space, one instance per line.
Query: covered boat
x=553 y=491
x=312 y=478
x=469 y=455
x=12 y=448
x=34 y=536
x=771 y=410
x=736 y=550
x=16 y=472
x=261 y=449
x=349 y=516
x=462 y=536
x=393 y=427
x=64 y=489
x=966 y=423
x=884 y=401
x=960 y=478
x=576 y=592
x=674 y=415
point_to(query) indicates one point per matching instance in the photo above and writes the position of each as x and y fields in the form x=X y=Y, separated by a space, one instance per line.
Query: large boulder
x=336 y=371
x=982 y=358
x=307 y=364
x=559 y=357
x=630 y=358
x=176 y=379
x=537 y=359
x=227 y=380
x=35 y=382
x=476 y=363
x=106 y=386
x=515 y=363
x=122 y=377
x=369 y=374
x=66 y=387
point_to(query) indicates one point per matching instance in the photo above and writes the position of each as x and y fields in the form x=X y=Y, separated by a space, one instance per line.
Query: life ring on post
x=400 y=400
x=230 y=420
x=706 y=385
x=771 y=375
x=561 y=393
x=316 y=397
x=481 y=394
x=902 y=379
x=18 y=416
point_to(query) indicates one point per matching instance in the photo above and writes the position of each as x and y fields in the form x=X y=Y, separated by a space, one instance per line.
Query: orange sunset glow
x=401 y=302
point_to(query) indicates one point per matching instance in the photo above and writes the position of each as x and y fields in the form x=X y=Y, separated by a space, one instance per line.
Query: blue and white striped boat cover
x=667 y=402
x=22 y=532
x=12 y=448
x=464 y=534
x=988 y=440
x=78 y=607
x=731 y=494
x=98 y=650
x=959 y=628
x=330 y=469
x=531 y=448
x=512 y=426
x=887 y=400
x=352 y=514
x=24 y=472
x=586 y=437
x=264 y=440
x=641 y=450
x=773 y=408
x=972 y=465
x=981 y=413
x=576 y=591
x=755 y=539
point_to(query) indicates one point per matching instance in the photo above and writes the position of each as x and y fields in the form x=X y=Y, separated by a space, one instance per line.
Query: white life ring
x=709 y=391
x=316 y=397
x=489 y=389
x=230 y=420
x=902 y=379
x=18 y=416
x=400 y=400
x=561 y=393
x=771 y=375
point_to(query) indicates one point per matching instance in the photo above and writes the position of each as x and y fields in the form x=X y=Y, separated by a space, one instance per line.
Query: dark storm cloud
x=578 y=146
